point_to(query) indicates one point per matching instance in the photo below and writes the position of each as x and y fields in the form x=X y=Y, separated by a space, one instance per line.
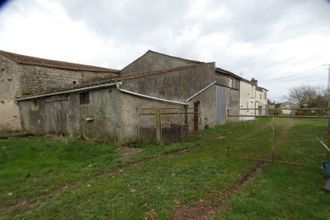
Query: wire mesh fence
x=295 y=136
x=166 y=124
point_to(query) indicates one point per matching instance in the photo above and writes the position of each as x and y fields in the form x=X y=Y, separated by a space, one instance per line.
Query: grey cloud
x=131 y=21
x=258 y=21
x=172 y=27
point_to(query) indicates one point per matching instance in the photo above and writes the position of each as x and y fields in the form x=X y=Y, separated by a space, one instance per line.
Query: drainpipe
x=118 y=84
x=200 y=91
x=67 y=91
x=149 y=97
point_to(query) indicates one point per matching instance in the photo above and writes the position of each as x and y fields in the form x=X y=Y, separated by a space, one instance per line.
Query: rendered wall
x=110 y=116
x=100 y=119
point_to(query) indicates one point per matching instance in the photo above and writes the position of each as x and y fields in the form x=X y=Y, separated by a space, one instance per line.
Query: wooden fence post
x=158 y=126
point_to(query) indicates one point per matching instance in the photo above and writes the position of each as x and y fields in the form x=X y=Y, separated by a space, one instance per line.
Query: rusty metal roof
x=35 y=61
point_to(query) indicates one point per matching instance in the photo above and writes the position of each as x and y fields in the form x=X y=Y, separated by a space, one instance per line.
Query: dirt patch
x=14 y=134
x=205 y=208
x=128 y=151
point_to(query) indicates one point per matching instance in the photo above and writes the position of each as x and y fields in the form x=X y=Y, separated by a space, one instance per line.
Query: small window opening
x=74 y=82
x=84 y=98
x=34 y=105
x=230 y=83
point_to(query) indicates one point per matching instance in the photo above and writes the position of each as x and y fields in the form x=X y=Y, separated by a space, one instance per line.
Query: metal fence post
x=273 y=148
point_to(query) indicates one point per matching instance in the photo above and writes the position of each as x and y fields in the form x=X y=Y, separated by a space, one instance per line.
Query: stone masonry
x=26 y=76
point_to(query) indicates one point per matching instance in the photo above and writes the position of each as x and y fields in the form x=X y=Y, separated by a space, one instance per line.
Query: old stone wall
x=152 y=61
x=36 y=79
x=207 y=109
x=176 y=85
x=23 y=80
x=113 y=116
x=9 y=83
x=110 y=115
x=99 y=119
x=132 y=123
x=179 y=85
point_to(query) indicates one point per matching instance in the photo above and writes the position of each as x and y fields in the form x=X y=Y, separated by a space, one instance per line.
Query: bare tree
x=308 y=96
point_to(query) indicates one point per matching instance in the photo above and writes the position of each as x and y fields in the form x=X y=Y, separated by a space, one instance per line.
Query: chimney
x=254 y=81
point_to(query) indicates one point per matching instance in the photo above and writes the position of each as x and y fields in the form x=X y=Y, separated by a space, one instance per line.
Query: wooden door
x=196 y=113
x=222 y=97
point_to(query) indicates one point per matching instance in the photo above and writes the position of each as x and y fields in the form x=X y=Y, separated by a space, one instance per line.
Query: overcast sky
x=282 y=43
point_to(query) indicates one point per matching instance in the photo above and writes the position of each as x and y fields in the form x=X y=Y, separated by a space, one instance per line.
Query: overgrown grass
x=33 y=166
x=251 y=138
x=281 y=192
x=157 y=187
x=297 y=140
x=154 y=182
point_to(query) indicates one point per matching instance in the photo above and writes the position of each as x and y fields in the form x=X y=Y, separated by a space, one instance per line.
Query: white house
x=287 y=108
x=253 y=99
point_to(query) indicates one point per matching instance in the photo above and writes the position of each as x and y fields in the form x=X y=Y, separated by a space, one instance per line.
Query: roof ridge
x=37 y=61
x=195 y=61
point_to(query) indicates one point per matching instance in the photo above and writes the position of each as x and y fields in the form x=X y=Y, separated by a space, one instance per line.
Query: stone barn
x=22 y=76
x=226 y=84
x=108 y=110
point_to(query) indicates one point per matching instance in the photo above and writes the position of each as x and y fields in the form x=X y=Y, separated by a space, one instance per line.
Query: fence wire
x=297 y=137
x=165 y=124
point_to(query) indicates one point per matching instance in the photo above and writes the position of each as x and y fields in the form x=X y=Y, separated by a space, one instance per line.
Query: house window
x=260 y=96
x=84 y=98
x=265 y=96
